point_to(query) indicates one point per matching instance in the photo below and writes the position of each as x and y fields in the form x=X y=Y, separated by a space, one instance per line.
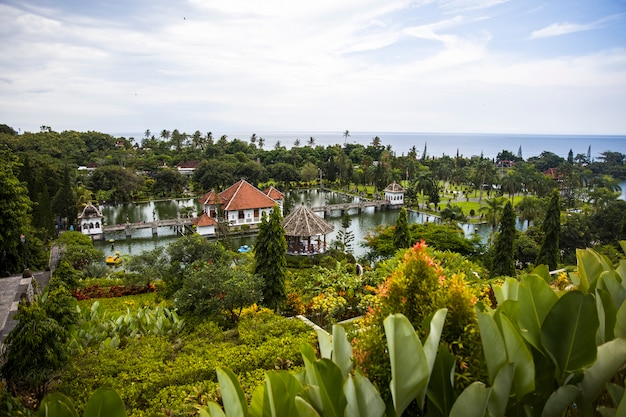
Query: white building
x=90 y=222
x=394 y=194
x=241 y=204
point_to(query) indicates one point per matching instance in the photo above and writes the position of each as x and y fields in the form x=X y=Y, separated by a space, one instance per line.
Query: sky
x=466 y=66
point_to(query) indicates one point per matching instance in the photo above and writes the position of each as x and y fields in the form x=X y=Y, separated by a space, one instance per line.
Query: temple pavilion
x=305 y=232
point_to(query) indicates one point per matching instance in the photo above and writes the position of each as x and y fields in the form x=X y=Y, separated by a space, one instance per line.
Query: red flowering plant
x=417 y=287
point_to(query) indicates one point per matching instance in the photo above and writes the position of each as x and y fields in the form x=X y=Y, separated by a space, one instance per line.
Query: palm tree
x=165 y=134
x=484 y=174
x=296 y=143
x=311 y=141
x=147 y=133
x=511 y=183
x=491 y=210
x=253 y=138
x=529 y=209
x=423 y=182
x=261 y=143
x=346 y=134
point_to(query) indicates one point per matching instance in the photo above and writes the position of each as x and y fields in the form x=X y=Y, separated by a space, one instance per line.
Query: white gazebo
x=90 y=221
x=394 y=194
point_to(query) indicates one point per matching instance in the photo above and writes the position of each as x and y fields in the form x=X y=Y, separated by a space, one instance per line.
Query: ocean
x=439 y=144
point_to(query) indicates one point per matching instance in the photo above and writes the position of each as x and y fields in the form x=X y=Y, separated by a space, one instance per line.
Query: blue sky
x=470 y=66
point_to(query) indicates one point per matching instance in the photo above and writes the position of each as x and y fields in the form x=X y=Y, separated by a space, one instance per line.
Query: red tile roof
x=274 y=194
x=204 y=220
x=239 y=196
x=188 y=164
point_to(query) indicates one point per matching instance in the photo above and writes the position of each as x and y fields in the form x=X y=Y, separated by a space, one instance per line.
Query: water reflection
x=142 y=239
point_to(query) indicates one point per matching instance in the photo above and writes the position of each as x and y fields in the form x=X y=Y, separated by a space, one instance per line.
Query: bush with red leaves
x=96 y=291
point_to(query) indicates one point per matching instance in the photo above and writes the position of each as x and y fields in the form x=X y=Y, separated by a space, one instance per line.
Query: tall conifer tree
x=271 y=259
x=401 y=234
x=551 y=228
x=503 y=260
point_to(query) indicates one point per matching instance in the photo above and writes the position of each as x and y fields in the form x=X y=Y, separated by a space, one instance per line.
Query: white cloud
x=286 y=65
x=564 y=28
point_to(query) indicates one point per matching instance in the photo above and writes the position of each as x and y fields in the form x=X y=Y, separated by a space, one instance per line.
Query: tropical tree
x=270 y=252
x=311 y=141
x=423 y=182
x=551 y=229
x=346 y=135
x=511 y=183
x=345 y=236
x=491 y=210
x=15 y=207
x=453 y=214
x=64 y=201
x=35 y=350
x=528 y=208
x=401 y=234
x=484 y=174
x=503 y=263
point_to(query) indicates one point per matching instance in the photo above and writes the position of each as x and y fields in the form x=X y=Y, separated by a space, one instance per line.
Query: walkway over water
x=180 y=224
x=358 y=205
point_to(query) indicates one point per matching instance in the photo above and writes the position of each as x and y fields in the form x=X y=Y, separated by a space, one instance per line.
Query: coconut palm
x=261 y=143
x=529 y=209
x=311 y=141
x=511 y=183
x=346 y=134
x=484 y=174
x=491 y=210
x=423 y=182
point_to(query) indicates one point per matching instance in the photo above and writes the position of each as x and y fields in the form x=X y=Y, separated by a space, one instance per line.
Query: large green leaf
x=590 y=266
x=362 y=397
x=536 y=298
x=409 y=368
x=611 y=358
x=543 y=272
x=507 y=291
x=612 y=284
x=621 y=270
x=212 y=410
x=325 y=390
x=607 y=314
x=441 y=392
x=342 y=351
x=559 y=400
x=519 y=354
x=620 y=321
x=279 y=395
x=257 y=402
x=105 y=402
x=569 y=331
x=233 y=398
x=501 y=391
x=472 y=402
x=493 y=343
x=56 y=405
x=324 y=339
x=431 y=346
x=305 y=409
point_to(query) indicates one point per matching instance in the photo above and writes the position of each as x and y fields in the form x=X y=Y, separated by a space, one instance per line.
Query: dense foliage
x=270 y=260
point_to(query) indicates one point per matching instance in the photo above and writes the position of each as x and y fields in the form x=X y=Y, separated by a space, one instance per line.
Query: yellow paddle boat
x=114 y=260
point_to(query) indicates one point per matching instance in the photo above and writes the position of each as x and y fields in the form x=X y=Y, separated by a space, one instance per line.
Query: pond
x=142 y=239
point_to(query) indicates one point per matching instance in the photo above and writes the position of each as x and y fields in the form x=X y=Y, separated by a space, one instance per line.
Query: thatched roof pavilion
x=305 y=231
